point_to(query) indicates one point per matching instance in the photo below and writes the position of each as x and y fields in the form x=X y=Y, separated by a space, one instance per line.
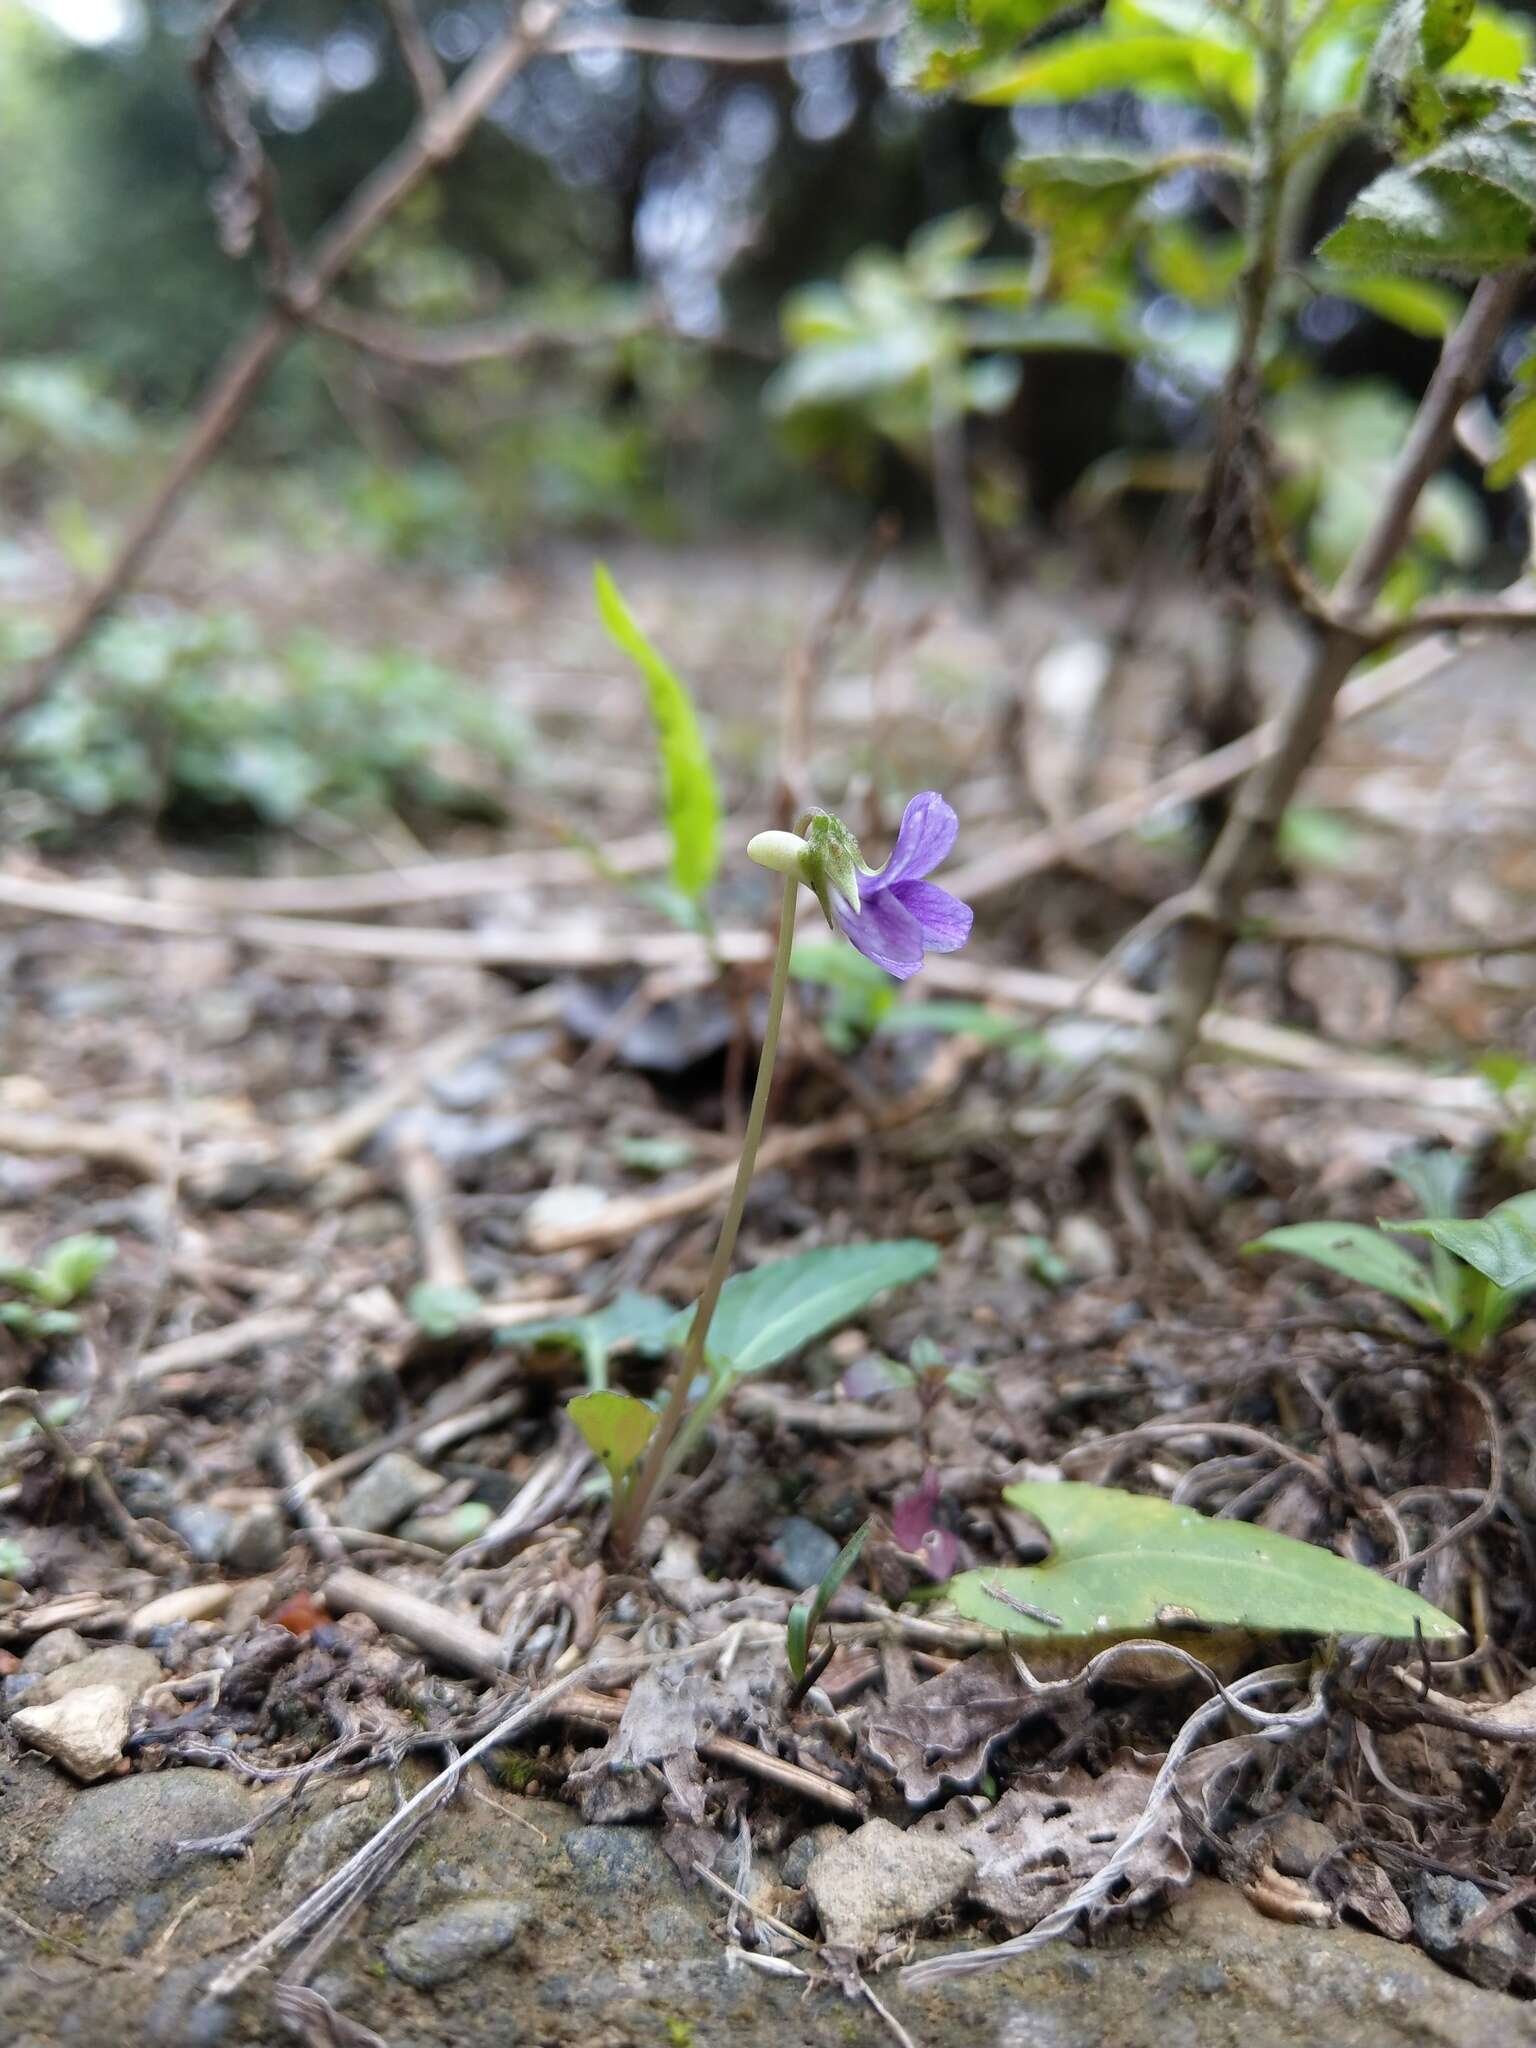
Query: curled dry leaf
x=671 y=1709
x=942 y=1732
x=1048 y=1835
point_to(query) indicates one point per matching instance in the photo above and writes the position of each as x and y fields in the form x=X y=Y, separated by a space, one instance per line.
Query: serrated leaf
x=1424 y=221
x=1129 y=1564
x=1360 y=1253
x=766 y=1315
x=638 y=1322
x=617 y=1428
x=690 y=795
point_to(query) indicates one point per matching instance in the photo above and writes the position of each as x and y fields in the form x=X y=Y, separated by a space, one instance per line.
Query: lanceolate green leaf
x=805 y=1614
x=1128 y=1564
x=1363 y=1254
x=616 y=1426
x=1417 y=305
x=766 y=1315
x=691 y=799
x=1157 y=65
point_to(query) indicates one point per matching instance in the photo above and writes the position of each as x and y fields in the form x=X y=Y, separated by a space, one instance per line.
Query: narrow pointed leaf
x=1360 y=1253
x=690 y=795
x=633 y=1322
x=1129 y=1564
x=1501 y=1245
x=805 y=1614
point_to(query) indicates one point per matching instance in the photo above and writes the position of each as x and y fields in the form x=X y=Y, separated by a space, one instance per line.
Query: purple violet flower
x=900 y=915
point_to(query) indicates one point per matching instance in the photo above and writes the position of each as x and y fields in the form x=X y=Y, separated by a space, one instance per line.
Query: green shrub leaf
x=690 y=795
x=1129 y=1564
x=767 y=1314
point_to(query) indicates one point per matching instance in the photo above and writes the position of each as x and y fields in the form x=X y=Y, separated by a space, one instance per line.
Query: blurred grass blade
x=690 y=794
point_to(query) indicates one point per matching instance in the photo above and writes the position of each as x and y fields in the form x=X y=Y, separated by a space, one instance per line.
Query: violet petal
x=928 y=828
x=884 y=931
x=945 y=920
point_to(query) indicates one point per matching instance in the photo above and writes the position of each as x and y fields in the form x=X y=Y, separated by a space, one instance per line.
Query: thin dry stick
x=449 y=1637
x=288 y=1459
x=433 y=881
x=428 y=1196
x=230 y=1340
x=418 y=53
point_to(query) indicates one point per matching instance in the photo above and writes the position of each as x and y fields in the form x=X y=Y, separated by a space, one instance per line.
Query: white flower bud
x=784 y=852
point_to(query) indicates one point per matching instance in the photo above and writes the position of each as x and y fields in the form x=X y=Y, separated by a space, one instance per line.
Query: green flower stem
x=629 y=1517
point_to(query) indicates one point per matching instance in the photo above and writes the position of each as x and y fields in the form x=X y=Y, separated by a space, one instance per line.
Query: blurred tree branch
x=246 y=205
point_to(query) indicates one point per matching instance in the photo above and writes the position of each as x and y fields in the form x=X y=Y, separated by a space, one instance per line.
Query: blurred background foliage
x=799 y=292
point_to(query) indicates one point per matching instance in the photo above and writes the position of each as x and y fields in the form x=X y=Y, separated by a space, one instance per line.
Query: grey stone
x=449 y=1942
x=324 y=1845
x=1087 y=1247
x=132 y=1671
x=620 y=1860
x=204 y=1530
x=59 y=1647
x=257 y=1540
x=120 y=1838
x=447 y=1531
x=1298 y=1844
x=805 y=1553
x=1502 y=1959
x=882 y=1878
x=804 y=1849
x=392 y=1488
x=85 y=1731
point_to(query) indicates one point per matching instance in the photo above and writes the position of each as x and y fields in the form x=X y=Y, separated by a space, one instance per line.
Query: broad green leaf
x=1498 y=45
x=1128 y=1564
x=1415 y=304
x=805 y=1614
x=765 y=1315
x=1501 y=1245
x=1156 y=65
x=441 y=1311
x=950 y=37
x=1362 y=1254
x=1428 y=221
x=690 y=796
x=637 y=1322
x=616 y=1426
